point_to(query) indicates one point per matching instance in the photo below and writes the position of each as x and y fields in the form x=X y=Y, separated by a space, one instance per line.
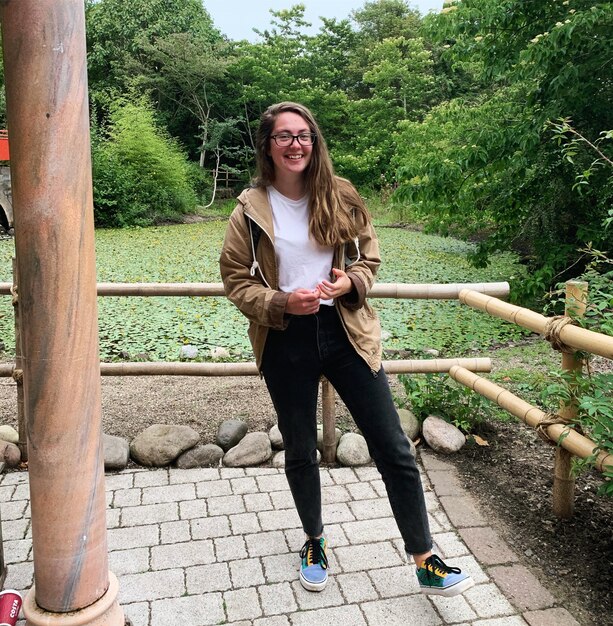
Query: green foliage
x=591 y=391
x=485 y=161
x=118 y=32
x=437 y=394
x=593 y=395
x=140 y=174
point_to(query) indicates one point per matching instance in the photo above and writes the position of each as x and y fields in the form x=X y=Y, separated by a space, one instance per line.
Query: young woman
x=299 y=256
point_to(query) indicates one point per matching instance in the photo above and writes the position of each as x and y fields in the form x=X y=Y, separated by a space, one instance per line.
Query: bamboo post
x=328 y=411
x=18 y=371
x=45 y=70
x=563 y=480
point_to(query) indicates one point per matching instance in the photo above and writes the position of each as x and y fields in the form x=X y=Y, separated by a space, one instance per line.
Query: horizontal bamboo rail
x=573 y=336
x=561 y=434
x=415 y=366
x=384 y=290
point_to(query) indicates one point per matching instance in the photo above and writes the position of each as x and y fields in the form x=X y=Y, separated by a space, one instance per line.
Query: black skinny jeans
x=294 y=360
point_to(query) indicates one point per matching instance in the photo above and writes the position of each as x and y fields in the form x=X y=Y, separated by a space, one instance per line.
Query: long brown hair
x=333 y=200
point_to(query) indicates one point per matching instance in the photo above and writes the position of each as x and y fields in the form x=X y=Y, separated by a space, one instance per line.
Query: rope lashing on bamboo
x=17 y=376
x=15 y=298
x=549 y=419
x=552 y=331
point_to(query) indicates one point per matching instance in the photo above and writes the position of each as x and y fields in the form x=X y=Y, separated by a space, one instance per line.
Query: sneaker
x=314 y=566
x=436 y=578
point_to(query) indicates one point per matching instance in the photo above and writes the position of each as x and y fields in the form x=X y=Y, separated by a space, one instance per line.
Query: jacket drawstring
x=255 y=266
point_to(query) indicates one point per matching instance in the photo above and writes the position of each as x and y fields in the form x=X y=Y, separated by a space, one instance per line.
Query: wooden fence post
x=563 y=480
x=328 y=420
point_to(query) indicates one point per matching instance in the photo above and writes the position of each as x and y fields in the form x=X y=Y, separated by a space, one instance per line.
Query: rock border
x=163 y=445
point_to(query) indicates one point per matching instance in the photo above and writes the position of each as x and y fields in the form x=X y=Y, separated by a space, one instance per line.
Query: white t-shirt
x=303 y=263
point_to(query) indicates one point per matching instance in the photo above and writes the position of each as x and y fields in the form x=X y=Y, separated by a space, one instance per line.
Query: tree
x=186 y=71
x=118 y=31
x=401 y=72
x=383 y=19
x=498 y=163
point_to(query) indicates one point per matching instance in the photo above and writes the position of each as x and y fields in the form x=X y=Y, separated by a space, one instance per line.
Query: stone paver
x=550 y=617
x=219 y=545
x=487 y=546
x=522 y=587
x=195 y=610
x=462 y=511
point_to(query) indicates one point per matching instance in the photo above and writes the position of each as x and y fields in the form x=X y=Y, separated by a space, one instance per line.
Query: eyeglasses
x=283 y=140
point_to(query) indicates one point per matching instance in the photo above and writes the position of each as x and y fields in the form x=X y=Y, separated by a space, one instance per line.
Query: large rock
x=160 y=444
x=8 y=433
x=278 y=460
x=410 y=424
x=253 y=449
x=229 y=433
x=116 y=452
x=320 y=436
x=208 y=455
x=442 y=436
x=10 y=454
x=276 y=438
x=352 y=450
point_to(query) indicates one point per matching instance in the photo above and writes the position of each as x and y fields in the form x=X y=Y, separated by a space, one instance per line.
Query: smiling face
x=290 y=162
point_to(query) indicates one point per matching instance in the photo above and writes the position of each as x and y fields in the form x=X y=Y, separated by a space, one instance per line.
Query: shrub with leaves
x=437 y=394
x=592 y=390
x=141 y=175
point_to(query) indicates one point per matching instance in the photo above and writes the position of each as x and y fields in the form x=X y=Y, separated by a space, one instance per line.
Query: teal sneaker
x=436 y=578
x=314 y=566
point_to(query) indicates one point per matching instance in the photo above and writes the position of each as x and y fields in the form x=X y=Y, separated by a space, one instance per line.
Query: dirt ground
x=511 y=478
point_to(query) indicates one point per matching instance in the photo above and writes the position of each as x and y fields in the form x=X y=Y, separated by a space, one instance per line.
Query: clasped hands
x=306 y=301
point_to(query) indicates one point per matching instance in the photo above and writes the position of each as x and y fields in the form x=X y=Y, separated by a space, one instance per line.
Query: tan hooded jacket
x=250 y=277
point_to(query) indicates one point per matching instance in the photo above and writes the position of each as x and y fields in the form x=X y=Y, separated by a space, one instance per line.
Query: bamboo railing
x=418 y=291
x=568 y=339
x=406 y=366
x=384 y=290
x=573 y=336
x=561 y=434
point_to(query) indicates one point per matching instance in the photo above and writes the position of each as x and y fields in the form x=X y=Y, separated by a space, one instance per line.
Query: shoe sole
x=310 y=586
x=449 y=592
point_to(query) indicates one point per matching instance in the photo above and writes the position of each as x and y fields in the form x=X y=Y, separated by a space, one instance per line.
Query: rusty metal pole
x=563 y=480
x=47 y=113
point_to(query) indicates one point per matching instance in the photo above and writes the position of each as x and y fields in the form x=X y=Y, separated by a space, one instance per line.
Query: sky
x=237 y=18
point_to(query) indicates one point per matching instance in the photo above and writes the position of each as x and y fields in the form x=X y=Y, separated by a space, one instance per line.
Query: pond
x=159 y=326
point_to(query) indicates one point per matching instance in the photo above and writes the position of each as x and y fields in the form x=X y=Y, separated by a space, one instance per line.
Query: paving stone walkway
x=219 y=546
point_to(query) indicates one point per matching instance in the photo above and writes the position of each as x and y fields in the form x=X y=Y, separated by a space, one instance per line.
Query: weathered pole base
x=104 y=612
x=328 y=422
x=563 y=485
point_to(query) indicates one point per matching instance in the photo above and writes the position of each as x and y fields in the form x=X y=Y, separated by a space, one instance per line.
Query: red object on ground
x=4 y=145
x=10 y=603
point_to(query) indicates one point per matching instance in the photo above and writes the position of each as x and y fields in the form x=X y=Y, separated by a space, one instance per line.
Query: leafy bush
x=437 y=394
x=140 y=174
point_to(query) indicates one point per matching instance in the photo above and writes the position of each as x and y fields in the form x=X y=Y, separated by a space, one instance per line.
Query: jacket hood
x=256 y=206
